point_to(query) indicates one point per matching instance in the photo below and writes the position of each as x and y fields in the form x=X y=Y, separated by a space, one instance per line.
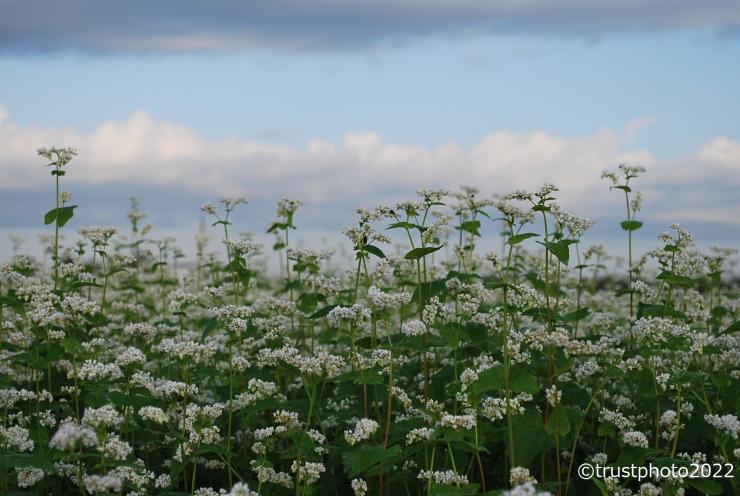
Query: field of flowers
x=125 y=370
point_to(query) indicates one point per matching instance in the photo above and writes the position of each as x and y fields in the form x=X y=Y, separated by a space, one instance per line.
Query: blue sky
x=429 y=91
x=346 y=111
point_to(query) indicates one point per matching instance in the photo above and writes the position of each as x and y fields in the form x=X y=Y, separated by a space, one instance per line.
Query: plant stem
x=56 y=234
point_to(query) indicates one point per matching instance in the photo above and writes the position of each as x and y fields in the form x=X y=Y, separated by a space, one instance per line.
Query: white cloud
x=638 y=124
x=722 y=151
x=362 y=168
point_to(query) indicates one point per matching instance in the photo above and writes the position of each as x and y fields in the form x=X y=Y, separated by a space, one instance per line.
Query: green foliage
x=421 y=252
x=60 y=215
x=402 y=371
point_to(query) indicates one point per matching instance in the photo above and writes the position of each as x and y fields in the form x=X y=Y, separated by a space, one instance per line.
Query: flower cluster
x=407 y=361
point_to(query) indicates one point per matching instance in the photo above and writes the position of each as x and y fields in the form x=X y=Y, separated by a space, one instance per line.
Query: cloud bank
x=364 y=169
x=171 y=26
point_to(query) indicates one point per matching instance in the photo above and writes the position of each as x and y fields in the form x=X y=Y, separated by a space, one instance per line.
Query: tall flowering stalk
x=633 y=202
x=415 y=218
x=286 y=210
x=229 y=203
x=514 y=220
x=58 y=158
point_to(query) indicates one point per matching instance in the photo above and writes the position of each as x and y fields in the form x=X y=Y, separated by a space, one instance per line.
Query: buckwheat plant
x=420 y=365
x=58 y=158
x=621 y=180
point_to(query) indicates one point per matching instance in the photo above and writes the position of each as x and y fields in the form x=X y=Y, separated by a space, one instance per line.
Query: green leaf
x=453 y=335
x=558 y=422
x=602 y=487
x=208 y=325
x=648 y=310
x=374 y=250
x=631 y=455
x=706 y=486
x=277 y=225
x=138 y=401
x=50 y=216
x=72 y=346
x=734 y=327
x=359 y=460
x=65 y=213
x=433 y=288
x=490 y=380
x=368 y=378
x=674 y=280
x=605 y=430
x=520 y=380
x=471 y=226
x=12 y=302
x=631 y=225
x=28 y=460
x=420 y=252
x=401 y=225
x=518 y=238
x=60 y=215
x=560 y=249
x=448 y=490
x=322 y=312
x=577 y=315
x=529 y=436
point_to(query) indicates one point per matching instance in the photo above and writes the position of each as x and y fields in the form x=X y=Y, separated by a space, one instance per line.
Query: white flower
x=308 y=472
x=98 y=235
x=16 y=437
x=354 y=314
x=727 y=424
x=58 y=157
x=421 y=434
x=526 y=489
x=467 y=378
x=115 y=448
x=635 y=439
x=287 y=419
x=102 y=484
x=93 y=370
x=143 y=329
x=553 y=395
x=242 y=489
x=105 y=416
x=599 y=458
x=71 y=433
x=448 y=477
x=162 y=481
x=242 y=247
x=208 y=208
x=268 y=474
x=364 y=428
x=519 y=476
x=287 y=207
x=130 y=356
x=414 y=328
x=28 y=476
x=359 y=486
x=380 y=300
x=458 y=421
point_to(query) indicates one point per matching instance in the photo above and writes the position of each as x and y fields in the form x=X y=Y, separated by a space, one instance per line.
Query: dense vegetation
x=124 y=370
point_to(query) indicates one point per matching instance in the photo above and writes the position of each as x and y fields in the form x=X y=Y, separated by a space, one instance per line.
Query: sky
x=344 y=104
